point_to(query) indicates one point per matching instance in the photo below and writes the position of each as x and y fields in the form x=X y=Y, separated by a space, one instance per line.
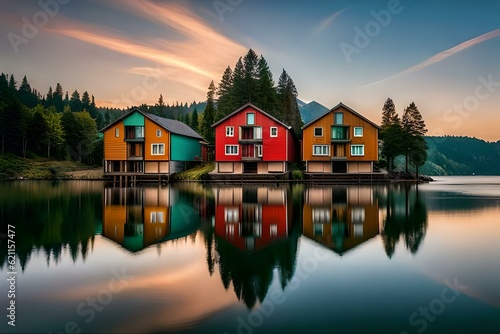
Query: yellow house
x=340 y=141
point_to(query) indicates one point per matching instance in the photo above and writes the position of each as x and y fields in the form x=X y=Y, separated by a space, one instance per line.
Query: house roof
x=168 y=124
x=341 y=105
x=253 y=107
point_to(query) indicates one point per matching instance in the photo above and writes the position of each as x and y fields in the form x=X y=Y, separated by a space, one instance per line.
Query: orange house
x=340 y=218
x=139 y=143
x=340 y=141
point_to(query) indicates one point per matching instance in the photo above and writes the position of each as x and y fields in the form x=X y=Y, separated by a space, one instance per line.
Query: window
x=318 y=132
x=250 y=118
x=157 y=149
x=321 y=150
x=339 y=132
x=258 y=148
x=231 y=215
x=257 y=132
x=117 y=132
x=321 y=215
x=273 y=230
x=156 y=217
x=139 y=132
x=339 y=118
x=158 y=133
x=229 y=131
x=358 y=150
x=274 y=131
x=231 y=149
x=358 y=131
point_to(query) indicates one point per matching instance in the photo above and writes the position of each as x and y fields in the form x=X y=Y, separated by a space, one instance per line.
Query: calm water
x=187 y=258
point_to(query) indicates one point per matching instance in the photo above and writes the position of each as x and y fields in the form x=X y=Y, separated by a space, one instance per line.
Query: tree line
x=403 y=136
x=58 y=125
x=251 y=80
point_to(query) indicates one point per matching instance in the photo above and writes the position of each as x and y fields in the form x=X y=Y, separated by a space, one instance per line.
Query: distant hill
x=311 y=110
x=451 y=155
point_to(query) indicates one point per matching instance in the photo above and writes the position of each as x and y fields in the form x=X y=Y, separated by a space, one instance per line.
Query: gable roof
x=253 y=107
x=171 y=125
x=341 y=105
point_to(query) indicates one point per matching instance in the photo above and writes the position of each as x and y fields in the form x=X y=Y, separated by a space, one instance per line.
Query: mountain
x=311 y=110
x=451 y=155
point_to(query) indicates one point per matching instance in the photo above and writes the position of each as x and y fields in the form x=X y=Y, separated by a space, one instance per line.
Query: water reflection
x=136 y=218
x=406 y=218
x=340 y=217
x=254 y=235
x=52 y=218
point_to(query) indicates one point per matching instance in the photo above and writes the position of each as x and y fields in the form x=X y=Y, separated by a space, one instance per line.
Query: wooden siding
x=369 y=139
x=135 y=119
x=273 y=148
x=115 y=148
x=150 y=138
x=185 y=148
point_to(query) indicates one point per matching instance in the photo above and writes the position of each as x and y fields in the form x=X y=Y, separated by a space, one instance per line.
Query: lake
x=252 y=259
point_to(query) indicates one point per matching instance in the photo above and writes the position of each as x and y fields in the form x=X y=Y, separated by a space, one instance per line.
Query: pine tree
x=194 y=120
x=414 y=129
x=58 y=98
x=391 y=133
x=86 y=100
x=74 y=102
x=412 y=121
x=288 y=109
x=250 y=62
x=225 y=104
x=238 y=92
x=207 y=131
x=266 y=97
x=187 y=119
x=389 y=114
x=12 y=83
x=49 y=99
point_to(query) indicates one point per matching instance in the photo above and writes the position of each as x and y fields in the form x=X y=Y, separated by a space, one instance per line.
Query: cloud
x=196 y=55
x=443 y=55
x=323 y=25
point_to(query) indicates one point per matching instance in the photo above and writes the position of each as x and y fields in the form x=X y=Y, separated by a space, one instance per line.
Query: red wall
x=271 y=214
x=274 y=148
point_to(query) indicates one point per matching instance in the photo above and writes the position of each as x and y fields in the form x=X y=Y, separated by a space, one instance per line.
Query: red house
x=252 y=218
x=249 y=140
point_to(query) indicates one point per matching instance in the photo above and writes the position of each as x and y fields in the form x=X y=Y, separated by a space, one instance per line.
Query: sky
x=442 y=55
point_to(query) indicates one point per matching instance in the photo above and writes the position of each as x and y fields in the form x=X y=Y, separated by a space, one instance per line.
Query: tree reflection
x=51 y=217
x=250 y=239
x=406 y=218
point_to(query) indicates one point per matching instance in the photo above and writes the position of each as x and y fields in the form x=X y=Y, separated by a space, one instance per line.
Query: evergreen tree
x=389 y=114
x=225 y=100
x=391 y=133
x=194 y=120
x=207 y=132
x=187 y=119
x=85 y=100
x=414 y=129
x=26 y=94
x=58 y=98
x=74 y=102
x=266 y=97
x=250 y=62
x=12 y=83
x=49 y=100
x=238 y=92
x=288 y=109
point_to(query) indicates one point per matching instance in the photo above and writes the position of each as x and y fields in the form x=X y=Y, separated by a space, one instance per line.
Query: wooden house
x=249 y=140
x=340 y=141
x=137 y=217
x=340 y=218
x=144 y=144
x=252 y=218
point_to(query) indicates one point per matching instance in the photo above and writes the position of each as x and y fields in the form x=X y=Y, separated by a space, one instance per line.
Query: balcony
x=251 y=152
x=134 y=134
x=250 y=135
x=340 y=134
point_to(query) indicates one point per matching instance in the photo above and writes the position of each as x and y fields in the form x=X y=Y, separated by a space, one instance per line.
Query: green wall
x=136 y=119
x=184 y=148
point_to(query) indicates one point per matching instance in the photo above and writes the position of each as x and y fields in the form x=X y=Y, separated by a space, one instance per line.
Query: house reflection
x=340 y=217
x=136 y=218
x=253 y=237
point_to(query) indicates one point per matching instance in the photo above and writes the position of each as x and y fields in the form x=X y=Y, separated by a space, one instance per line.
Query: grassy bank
x=194 y=174
x=13 y=167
